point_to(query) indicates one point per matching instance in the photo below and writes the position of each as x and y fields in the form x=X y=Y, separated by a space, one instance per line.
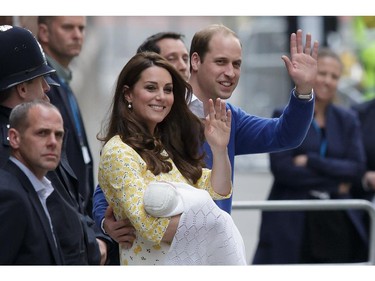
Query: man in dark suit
x=27 y=233
x=62 y=39
x=25 y=79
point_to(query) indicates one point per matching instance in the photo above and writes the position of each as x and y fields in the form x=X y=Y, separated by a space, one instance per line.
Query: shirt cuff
x=102 y=227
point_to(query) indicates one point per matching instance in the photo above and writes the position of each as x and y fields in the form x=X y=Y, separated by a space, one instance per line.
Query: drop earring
x=130 y=105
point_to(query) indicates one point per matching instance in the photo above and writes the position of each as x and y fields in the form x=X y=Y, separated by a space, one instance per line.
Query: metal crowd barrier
x=311 y=205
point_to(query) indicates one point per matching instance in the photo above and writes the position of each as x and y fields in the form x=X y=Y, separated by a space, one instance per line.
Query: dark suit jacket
x=84 y=172
x=79 y=231
x=366 y=114
x=281 y=233
x=25 y=233
x=74 y=228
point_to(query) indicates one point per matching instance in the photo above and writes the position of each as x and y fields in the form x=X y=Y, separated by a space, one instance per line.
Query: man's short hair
x=150 y=44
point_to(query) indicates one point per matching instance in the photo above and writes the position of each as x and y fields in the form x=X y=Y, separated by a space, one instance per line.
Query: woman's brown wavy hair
x=181 y=133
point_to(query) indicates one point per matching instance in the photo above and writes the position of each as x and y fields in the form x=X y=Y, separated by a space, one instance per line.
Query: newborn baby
x=161 y=199
x=206 y=235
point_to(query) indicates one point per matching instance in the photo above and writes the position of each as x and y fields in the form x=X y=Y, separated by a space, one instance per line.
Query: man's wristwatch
x=303 y=96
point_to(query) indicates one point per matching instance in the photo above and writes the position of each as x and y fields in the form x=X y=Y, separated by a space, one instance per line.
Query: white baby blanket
x=206 y=235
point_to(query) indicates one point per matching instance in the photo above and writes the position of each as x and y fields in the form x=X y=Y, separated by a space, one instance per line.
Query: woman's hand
x=217 y=132
x=217 y=125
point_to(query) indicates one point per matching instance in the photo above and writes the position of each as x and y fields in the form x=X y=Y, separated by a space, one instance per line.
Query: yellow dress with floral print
x=123 y=177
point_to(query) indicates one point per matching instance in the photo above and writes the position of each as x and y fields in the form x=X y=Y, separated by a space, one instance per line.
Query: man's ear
x=43 y=34
x=22 y=90
x=14 y=138
x=195 y=61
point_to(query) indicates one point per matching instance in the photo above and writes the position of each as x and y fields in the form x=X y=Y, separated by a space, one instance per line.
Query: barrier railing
x=311 y=205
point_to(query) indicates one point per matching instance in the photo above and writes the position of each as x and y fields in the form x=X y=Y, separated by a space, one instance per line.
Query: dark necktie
x=75 y=111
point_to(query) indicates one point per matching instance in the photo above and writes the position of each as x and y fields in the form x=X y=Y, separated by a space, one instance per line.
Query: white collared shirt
x=196 y=106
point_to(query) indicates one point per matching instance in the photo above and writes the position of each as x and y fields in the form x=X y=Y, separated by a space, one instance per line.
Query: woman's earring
x=130 y=105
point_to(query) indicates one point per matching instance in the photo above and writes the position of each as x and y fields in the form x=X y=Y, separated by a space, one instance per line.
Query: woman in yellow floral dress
x=151 y=135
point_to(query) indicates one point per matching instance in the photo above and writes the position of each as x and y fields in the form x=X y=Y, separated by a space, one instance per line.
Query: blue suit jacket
x=25 y=233
x=281 y=232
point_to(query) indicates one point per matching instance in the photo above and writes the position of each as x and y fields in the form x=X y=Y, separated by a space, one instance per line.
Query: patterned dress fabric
x=123 y=177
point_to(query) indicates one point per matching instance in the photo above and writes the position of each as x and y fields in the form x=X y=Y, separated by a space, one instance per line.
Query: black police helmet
x=21 y=57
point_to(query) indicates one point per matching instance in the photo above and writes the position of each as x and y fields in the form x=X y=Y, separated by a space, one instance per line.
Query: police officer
x=23 y=68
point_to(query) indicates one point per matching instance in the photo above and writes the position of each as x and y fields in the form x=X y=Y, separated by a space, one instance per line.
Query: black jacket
x=25 y=233
x=74 y=228
x=83 y=171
